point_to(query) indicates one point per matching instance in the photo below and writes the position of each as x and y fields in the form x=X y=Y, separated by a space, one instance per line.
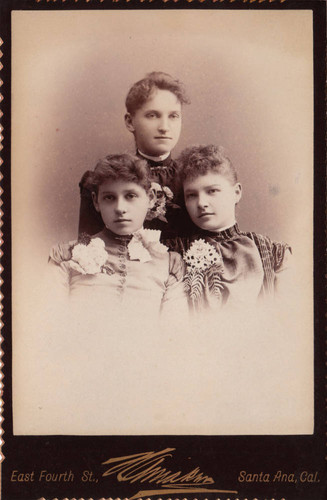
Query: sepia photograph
x=162 y=222
x=164 y=232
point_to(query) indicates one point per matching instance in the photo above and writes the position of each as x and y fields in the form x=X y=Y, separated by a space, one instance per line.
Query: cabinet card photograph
x=166 y=227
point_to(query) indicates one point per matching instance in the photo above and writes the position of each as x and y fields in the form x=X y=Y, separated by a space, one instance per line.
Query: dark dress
x=252 y=264
x=165 y=174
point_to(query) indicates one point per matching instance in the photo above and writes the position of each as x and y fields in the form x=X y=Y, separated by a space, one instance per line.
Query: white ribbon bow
x=143 y=240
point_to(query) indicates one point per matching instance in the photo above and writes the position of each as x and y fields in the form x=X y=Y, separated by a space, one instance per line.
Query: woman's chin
x=124 y=231
x=206 y=227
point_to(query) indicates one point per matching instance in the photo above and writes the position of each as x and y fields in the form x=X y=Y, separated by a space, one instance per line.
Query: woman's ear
x=129 y=122
x=95 y=201
x=238 y=192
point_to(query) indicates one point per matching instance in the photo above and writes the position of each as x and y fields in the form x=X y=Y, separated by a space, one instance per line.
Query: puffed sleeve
x=174 y=301
x=59 y=272
x=283 y=269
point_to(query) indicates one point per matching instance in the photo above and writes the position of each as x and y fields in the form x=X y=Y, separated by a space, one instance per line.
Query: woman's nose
x=163 y=124
x=202 y=201
x=120 y=206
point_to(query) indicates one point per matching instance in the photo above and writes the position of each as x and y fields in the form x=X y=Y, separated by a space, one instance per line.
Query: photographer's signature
x=146 y=467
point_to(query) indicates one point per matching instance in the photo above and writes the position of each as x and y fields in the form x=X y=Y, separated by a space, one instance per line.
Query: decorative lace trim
x=143 y=243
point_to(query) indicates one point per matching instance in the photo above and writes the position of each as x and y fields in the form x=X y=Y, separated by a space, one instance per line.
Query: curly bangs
x=119 y=167
x=139 y=92
x=199 y=160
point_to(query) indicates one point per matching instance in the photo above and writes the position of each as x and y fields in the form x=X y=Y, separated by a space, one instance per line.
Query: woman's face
x=123 y=206
x=157 y=124
x=210 y=200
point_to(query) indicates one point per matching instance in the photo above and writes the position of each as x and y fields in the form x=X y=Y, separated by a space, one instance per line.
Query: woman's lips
x=205 y=215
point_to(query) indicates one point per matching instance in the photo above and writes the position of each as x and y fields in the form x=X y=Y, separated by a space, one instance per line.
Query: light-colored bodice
x=133 y=285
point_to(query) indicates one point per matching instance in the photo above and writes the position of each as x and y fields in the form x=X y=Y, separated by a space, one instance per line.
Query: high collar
x=141 y=245
x=154 y=161
x=221 y=235
x=111 y=236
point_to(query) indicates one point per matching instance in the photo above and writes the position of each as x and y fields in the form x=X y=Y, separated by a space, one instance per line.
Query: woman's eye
x=108 y=197
x=190 y=195
x=174 y=116
x=213 y=191
x=130 y=196
x=151 y=115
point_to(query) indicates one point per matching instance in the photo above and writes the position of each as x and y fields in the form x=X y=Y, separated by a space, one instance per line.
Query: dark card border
x=220 y=457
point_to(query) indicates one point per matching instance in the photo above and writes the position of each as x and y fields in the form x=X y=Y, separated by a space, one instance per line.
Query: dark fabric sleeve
x=273 y=256
x=285 y=273
x=179 y=245
x=279 y=251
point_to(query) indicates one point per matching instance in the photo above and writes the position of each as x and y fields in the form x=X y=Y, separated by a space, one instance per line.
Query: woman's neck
x=225 y=227
x=115 y=236
x=154 y=158
x=221 y=233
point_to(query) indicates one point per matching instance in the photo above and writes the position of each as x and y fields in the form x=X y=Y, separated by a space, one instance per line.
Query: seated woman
x=110 y=324
x=225 y=266
x=124 y=265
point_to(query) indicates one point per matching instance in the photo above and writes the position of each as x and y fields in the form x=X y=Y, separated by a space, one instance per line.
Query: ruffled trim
x=145 y=244
x=62 y=252
x=279 y=250
x=80 y=258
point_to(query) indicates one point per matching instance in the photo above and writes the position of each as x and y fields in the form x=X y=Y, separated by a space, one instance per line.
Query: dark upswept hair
x=199 y=160
x=119 y=167
x=139 y=92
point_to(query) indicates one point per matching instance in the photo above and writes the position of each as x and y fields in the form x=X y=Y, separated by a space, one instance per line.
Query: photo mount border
x=89 y=452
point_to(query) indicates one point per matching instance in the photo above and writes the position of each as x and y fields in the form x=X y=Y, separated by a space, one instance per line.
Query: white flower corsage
x=161 y=194
x=204 y=268
x=144 y=243
x=89 y=256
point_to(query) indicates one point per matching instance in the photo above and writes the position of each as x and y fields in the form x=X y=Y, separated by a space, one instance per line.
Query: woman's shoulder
x=266 y=240
x=176 y=265
x=62 y=252
x=179 y=244
x=88 y=255
x=270 y=249
x=275 y=250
